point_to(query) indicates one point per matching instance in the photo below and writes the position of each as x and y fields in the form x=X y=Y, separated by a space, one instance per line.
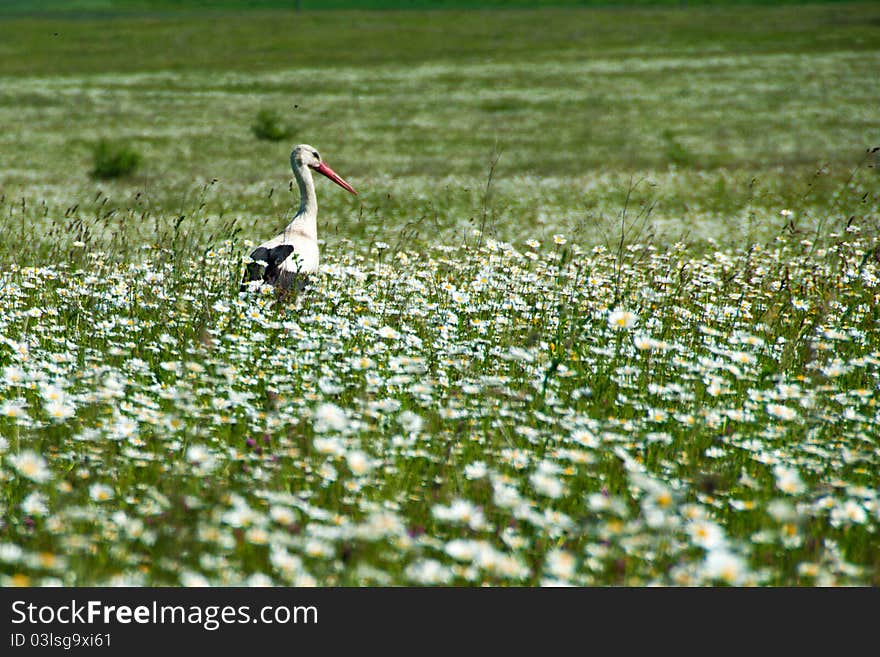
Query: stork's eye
x=315 y=153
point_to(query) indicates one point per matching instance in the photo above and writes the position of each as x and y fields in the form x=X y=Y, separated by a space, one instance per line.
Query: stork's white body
x=306 y=255
x=302 y=231
x=284 y=266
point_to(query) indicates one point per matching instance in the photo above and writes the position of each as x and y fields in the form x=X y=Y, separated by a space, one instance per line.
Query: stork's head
x=307 y=156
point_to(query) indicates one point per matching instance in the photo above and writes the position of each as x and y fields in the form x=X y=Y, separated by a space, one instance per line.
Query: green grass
x=734 y=113
x=110 y=7
x=272 y=40
x=604 y=311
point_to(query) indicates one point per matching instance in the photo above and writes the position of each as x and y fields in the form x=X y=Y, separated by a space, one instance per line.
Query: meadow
x=604 y=312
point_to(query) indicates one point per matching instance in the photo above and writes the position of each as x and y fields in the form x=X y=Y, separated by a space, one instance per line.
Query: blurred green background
x=529 y=122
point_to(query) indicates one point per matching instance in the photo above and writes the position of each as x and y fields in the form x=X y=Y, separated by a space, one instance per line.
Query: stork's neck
x=305 y=221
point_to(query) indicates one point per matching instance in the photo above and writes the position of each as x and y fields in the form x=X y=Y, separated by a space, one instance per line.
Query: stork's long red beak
x=323 y=169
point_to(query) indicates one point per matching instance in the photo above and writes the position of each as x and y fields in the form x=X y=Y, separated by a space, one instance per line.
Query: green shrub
x=113 y=160
x=676 y=153
x=268 y=126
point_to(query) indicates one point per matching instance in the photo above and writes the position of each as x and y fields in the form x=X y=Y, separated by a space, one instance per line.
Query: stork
x=291 y=256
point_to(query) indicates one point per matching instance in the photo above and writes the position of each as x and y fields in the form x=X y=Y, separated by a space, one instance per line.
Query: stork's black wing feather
x=272 y=257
